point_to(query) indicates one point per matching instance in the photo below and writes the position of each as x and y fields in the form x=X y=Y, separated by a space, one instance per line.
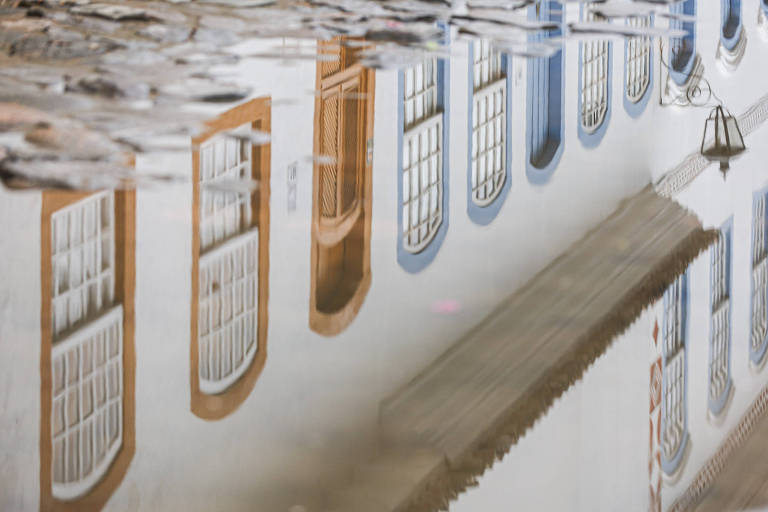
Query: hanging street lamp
x=722 y=139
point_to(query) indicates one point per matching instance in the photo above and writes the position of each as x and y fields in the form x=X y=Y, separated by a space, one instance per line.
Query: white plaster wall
x=20 y=348
x=590 y=450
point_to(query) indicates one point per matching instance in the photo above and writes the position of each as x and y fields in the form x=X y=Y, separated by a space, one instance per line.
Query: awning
x=465 y=410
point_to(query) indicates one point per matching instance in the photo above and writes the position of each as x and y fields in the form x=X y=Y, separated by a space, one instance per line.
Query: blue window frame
x=638 y=67
x=674 y=399
x=422 y=147
x=595 y=77
x=764 y=6
x=730 y=31
x=720 y=321
x=682 y=49
x=489 y=169
x=759 y=280
x=545 y=104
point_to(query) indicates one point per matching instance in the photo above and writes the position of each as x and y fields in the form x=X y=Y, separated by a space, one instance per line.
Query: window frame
x=210 y=404
x=591 y=136
x=414 y=262
x=95 y=489
x=720 y=307
x=484 y=214
x=541 y=164
x=635 y=108
x=670 y=465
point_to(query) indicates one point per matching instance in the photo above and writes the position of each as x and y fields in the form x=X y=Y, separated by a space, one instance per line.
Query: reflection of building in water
x=87 y=358
x=341 y=209
x=230 y=260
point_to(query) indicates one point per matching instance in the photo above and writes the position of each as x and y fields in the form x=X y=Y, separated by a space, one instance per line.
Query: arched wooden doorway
x=341 y=209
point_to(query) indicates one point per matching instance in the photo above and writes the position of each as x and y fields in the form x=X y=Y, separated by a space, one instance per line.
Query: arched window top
x=720 y=322
x=638 y=70
x=674 y=421
x=488 y=176
x=545 y=104
x=594 y=86
x=422 y=163
x=683 y=49
x=759 y=302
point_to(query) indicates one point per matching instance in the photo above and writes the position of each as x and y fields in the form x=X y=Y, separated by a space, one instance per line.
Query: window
x=545 y=99
x=227 y=294
x=230 y=240
x=422 y=177
x=720 y=325
x=638 y=69
x=87 y=362
x=683 y=49
x=341 y=210
x=87 y=394
x=488 y=124
x=423 y=166
x=594 y=86
x=674 y=416
x=759 y=279
x=731 y=29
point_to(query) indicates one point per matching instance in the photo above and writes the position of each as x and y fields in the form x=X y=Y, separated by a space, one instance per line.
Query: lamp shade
x=722 y=138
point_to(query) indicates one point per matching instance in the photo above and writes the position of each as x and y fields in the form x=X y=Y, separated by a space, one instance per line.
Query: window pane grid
x=486 y=64
x=87 y=404
x=638 y=76
x=228 y=312
x=594 y=81
x=422 y=183
x=489 y=133
x=82 y=254
x=420 y=92
x=674 y=369
x=224 y=214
